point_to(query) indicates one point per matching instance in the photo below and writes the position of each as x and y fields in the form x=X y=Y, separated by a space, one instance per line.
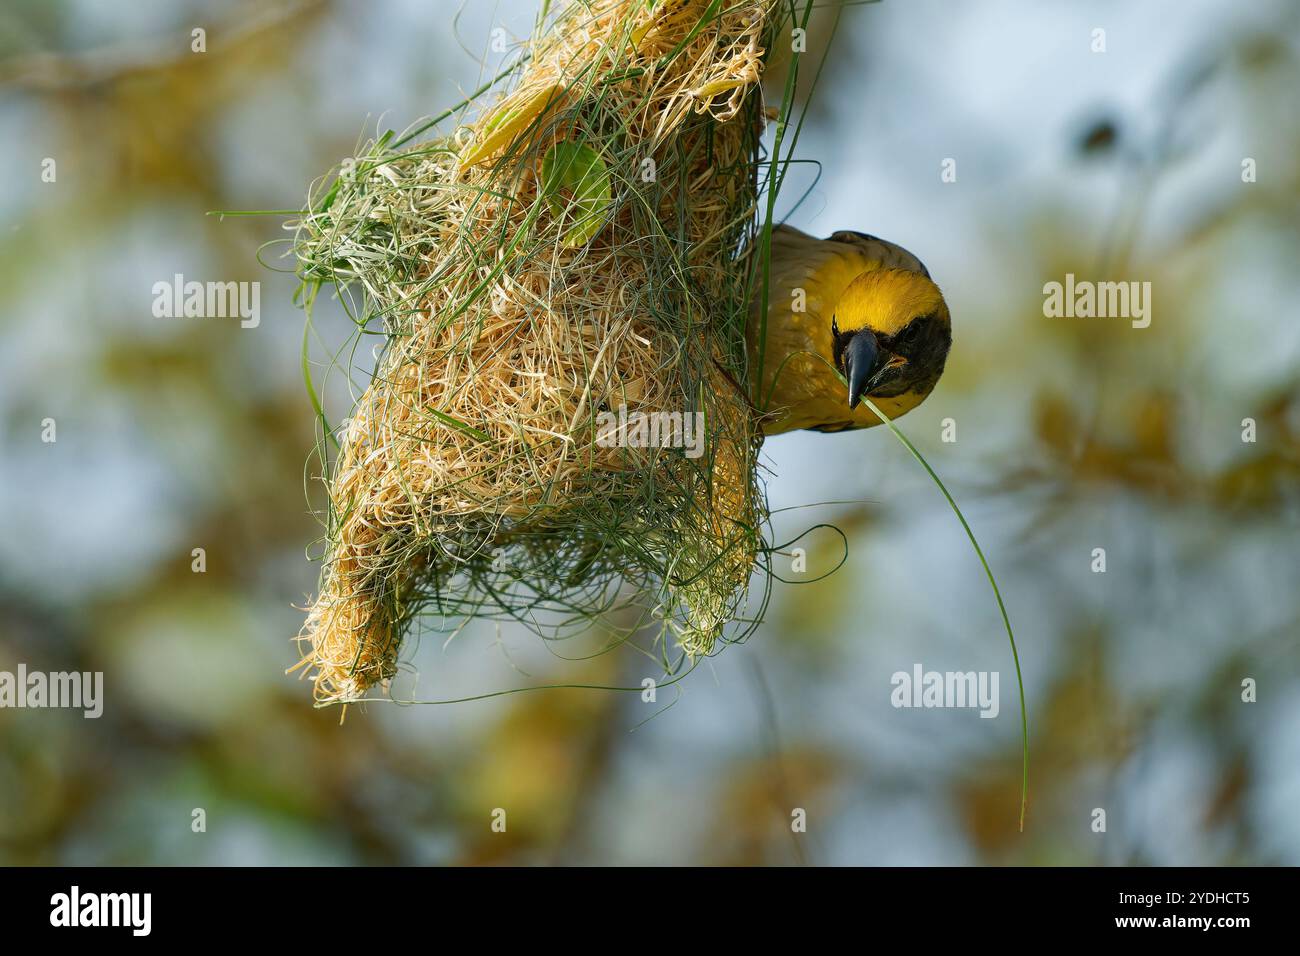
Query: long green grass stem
x=1002 y=607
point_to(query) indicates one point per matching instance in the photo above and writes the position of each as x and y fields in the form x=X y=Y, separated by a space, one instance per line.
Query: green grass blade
x=309 y=294
x=1006 y=619
x=458 y=424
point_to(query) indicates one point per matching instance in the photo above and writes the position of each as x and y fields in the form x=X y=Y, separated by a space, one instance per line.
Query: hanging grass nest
x=559 y=422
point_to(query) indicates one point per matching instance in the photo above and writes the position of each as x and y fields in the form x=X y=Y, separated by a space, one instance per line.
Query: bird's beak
x=862 y=361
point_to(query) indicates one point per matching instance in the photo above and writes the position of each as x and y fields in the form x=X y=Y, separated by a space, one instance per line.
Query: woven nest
x=576 y=255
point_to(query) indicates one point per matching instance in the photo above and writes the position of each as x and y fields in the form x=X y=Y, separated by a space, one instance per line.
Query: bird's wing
x=823 y=267
x=887 y=254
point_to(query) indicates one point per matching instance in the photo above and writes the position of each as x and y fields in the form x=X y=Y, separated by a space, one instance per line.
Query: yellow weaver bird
x=854 y=306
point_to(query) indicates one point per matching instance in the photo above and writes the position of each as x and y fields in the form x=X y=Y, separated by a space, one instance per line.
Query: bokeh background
x=1072 y=435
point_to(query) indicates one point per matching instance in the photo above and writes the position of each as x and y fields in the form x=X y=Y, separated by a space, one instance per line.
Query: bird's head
x=890 y=333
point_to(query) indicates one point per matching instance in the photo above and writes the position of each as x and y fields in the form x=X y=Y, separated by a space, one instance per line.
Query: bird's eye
x=910 y=332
